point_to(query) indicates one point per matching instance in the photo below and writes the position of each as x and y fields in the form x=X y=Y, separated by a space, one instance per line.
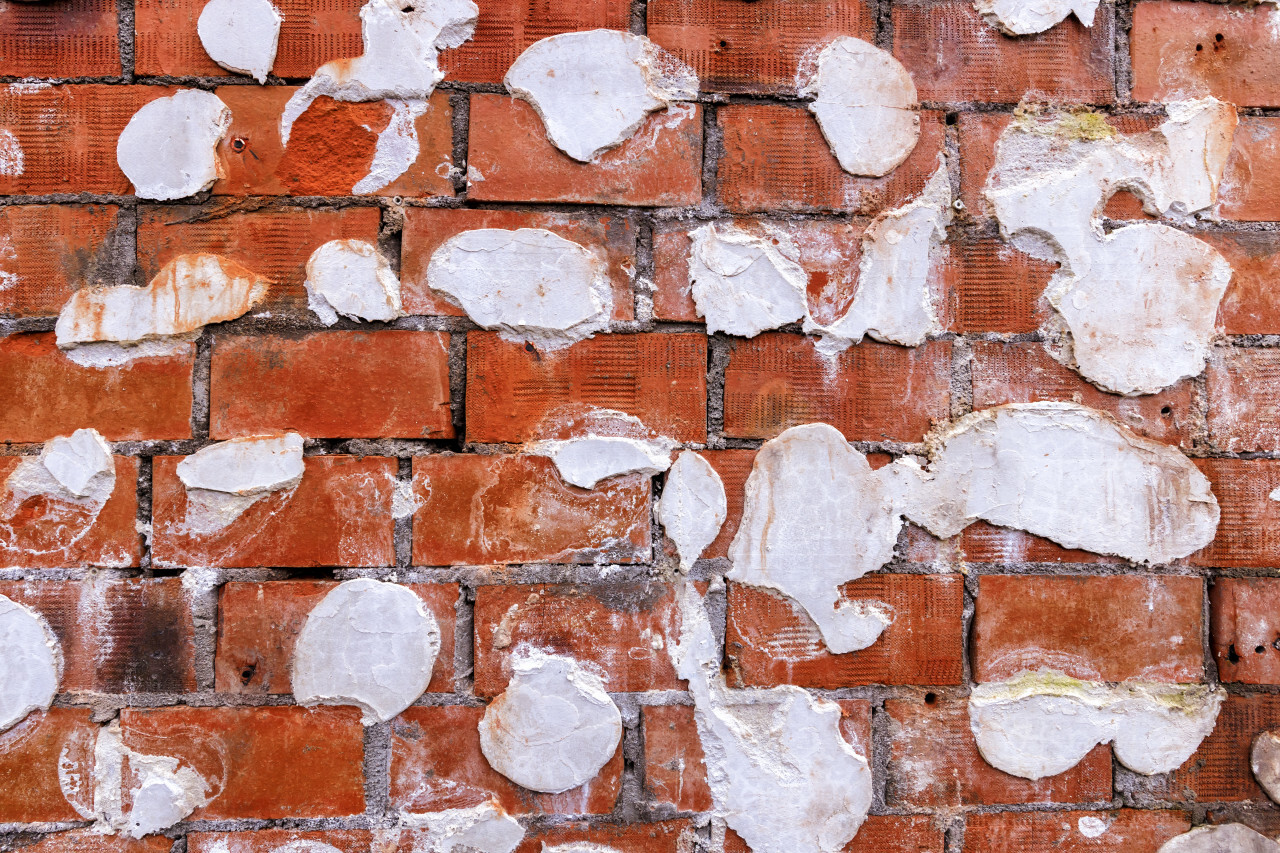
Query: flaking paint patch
x=1024 y=17
x=169 y=147
x=12 y=160
x=352 y=278
x=223 y=480
x=1264 y=760
x=241 y=35
x=743 y=284
x=1227 y=838
x=31 y=666
x=593 y=89
x=367 y=643
x=486 y=828
x=693 y=506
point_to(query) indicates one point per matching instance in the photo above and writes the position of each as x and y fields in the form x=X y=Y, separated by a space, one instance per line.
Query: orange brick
x=88 y=841
x=621 y=632
x=339 y=515
x=878 y=834
x=775 y=158
x=934 y=761
x=1113 y=628
x=1127 y=831
x=1251 y=180
x=283 y=762
x=1244 y=629
x=32 y=754
x=513 y=390
x=996 y=288
x=1244 y=413
x=985 y=543
x=753 y=47
x=612 y=238
x=1249 y=528
x=271 y=840
x=510 y=159
x=870 y=392
x=1251 y=306
x=1025 y=373
x=47 y=251
x=771 y=640
x=673 y=836
x=436 y=764
x=47 y=394
x=1217 y=771
x=954 y=55
x=387 y=384
x=80 y=38
x=259 y=623
x=117 y=635
x=477 y=509
x=733 y=466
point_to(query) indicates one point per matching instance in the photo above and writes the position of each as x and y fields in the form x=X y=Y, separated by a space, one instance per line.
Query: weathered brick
x=1217 y=770
x=47 y=251
x=673 y=836
x=1244 y=627
x=1251 y=306
x=436 y=764
x=387 y=384
x=31 y=756
x=1249 y=527
x=259 y=623
x=47 y=394
x=512 y=390
x=80 y=38
x=775 y=158
x=870 y=392
x=878 y=834
x=621 y=632
x=88 y=841
x=1113 y=628
x=339 y=515
x=996 y=288
x=934 y=761
x=271 y=840
x=753 y=47
x=1251 y=180
x=510 y=159
x=1127 y=831
x=1244 y=412
x=985 y=543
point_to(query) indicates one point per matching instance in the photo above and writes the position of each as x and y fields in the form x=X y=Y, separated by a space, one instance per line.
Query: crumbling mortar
x=125 y=18
x=377 y=769
x=961 y=379
x=631 y=805
x=201 y=372
x=719 y=350
x=1123 y=73
x=880 y=749
x=464 y=652
x=402 y=535
x=953 y=836
x=646 y=271
x=460 y=104
x=712 y=152
x=458 y=386
x=143 y=516
x=639 y=22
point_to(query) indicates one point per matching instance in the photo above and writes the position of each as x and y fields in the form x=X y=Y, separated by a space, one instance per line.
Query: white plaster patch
x=593 y=89
x=486 y=828
x=1092 y=827
x=1274 y=495
x=223 y=480
x=585 y=461
x=169 y=148
x=693 y=506
x=1227 y=838
x=1023 y=17
x=76 y=469
x=352 y=278
x=865 y=103
x=1264 y=760
x=554 y=726
x=743 y=284
x=528 y=284
x=579 y=847
x=241 y=35
x=367 y=643
x=12 y=160
x=31 y=666
x=397 y=147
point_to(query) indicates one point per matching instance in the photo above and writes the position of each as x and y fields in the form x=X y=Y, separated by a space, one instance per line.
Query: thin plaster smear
x=352 y=278
x=31 y=666
x=1227 y=838
x=367 y=643
x=743 y=284
x=1024 y=17
x=693 y=506
x=223 y=480
x=241 y=35
x=594 y=89
x=1264 y=760
x=12 y=160
x=169 y=147
x=398 y=146
x=486 y=828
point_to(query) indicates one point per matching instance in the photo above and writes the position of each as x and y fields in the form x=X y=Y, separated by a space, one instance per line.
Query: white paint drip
x=224 y=480
x=397 y=147
x=693 y=506
x=169 y=147
x=1228 y=838
x=75 y=469
x=1023 y=17
x=1264 y=760
x=743 y=284
x=31 y=666
x=486 y=828
x=241 y=35
x=12 y=161
x=352 y=278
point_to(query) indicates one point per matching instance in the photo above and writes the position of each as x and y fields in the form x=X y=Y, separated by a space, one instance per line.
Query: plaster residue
x=744 y=284
x=352 y=278
x=12 y=160
x=528 y=284
x=367 y=643
x=402 y=43
x=597 y=444
x=1227 y=838
x=781 y=775
x=398 y=146
x=241 y=35
x=1264 y=760
x=593 y=89
x=75 y=469
x=554 y=726
x=1136 y=307
x=579 y=847
x=169 y=148
x=224 y=480
x=486 y=828
x=31 y=665
x=693 y=506
x=1041 y=724
x=865 y=103
x=1024 y=17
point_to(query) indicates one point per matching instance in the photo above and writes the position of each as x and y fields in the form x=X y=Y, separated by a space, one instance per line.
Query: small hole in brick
x=1199 y=48
x=247 y=675
x=1259 y=650
x=1275 y=644
x=1166 y=410
x=1232 y=655
x=952 y=118
x=1218 y=37
x=930 y=698
x=723 y=43
x=238 y=144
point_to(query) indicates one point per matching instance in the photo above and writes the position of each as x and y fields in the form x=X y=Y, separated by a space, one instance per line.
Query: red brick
x=954 y=55
x=1113 y=628
x=80 y=38
x=32 y=754
x=436 y=764
x=339 y=515
x=1244 y=413
x=985 y=543
x=117 y=635
x=996 y=288
x=88 y=841
x=255 y=162
x=1218 y=770
x=387 y=384
x=259 y=623
x=48 y=395
x=674 y=836
x=274 y=243
x=775 y=158
x=870 y=392
x=1251 y=180
x=1025 y=373
x=271 y=840
x=283 y=762
x=511 y=159
x=513 y=391
x=878 y=834
x=934 y=761
x=47 y=251
x=1251 y=306
x=612 y=239
x=1249 y=528
x=1245 y=624
x=621 y=632
x=1127 y=831
x=753 y=47
x=1189 y=50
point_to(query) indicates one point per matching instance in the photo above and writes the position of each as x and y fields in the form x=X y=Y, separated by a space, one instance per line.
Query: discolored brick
x=31 y=754
x=996 y=288
x=47 y=251
x=1251 y=306
x=80 y=38
x=1244 y=412
x=1126 y=831
x=1251 y=180
x=1218 y=770
x=88 y=841
x=1244 y=629
x=1249 y=527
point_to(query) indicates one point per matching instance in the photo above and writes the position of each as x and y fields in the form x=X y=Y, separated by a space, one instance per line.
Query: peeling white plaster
x=865 y=103
x=1227 y=838
x=1264 y=760
x=1092 y=827
x=528 y=284
x=397 y=147
x=169 y=148
x=593 y=89
x=1024 y=17
x=1043 y=723
x=367 y=643
x=352 y=278
x=241 y=35
x=12 y=161
x=554 y=726
x=486 y=828
x=401 y=49
x=1136 y=308
x=585 y=461
x=743 y=284
x=75 y=469
x=224 y=480
x=31 y=666
x=693 y=506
